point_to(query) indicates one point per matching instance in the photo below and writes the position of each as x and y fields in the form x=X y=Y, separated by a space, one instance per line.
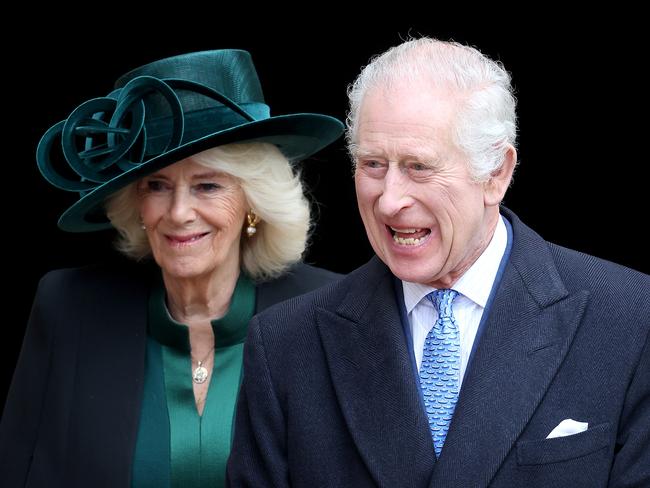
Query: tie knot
x=441 y=300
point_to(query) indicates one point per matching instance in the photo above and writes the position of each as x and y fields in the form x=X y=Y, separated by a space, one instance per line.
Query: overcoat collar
x=528 y=332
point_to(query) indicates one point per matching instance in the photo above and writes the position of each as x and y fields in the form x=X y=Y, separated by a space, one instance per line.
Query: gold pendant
x=200 y=374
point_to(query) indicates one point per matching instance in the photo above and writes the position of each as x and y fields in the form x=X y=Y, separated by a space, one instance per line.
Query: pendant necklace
x=200 y=374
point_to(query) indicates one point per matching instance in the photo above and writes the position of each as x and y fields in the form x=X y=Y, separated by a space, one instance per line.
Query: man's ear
x=495 y=188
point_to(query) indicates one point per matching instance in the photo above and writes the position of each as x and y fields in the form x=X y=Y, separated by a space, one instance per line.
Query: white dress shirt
x=474 y=288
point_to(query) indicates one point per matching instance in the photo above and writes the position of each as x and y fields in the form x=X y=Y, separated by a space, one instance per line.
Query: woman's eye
x=207 y=187
x=155 y=185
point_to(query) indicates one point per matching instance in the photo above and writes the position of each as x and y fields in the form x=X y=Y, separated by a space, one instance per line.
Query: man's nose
x=396 y=193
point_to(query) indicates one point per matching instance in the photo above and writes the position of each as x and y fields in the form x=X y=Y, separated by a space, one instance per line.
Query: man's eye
x=372 y=163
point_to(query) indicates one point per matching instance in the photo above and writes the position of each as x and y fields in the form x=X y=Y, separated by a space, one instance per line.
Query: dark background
x=579 y=183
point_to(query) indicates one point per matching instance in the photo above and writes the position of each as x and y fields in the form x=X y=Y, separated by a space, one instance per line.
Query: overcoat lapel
x=529 y=330
x=373 y=379
x=108 y=388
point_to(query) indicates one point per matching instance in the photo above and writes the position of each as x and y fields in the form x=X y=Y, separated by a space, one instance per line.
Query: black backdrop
x=579 y=182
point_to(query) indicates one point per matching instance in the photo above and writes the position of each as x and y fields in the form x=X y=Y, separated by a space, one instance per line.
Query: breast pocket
x=563 y=448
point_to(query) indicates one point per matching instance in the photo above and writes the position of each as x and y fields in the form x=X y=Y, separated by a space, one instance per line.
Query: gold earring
x=253 y=220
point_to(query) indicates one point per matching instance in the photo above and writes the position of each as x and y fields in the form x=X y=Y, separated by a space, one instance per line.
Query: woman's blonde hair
x=272 y=189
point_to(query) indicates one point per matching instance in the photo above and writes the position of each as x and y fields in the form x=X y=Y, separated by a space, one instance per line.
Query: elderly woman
x=128 y=375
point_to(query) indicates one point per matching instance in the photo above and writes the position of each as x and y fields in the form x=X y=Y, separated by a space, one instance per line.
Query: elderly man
x=469 y=352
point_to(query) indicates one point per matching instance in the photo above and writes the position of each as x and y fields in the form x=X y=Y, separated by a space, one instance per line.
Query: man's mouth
x=409 y=236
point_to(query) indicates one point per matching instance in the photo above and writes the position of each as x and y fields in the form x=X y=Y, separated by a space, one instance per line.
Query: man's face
x=424 y=215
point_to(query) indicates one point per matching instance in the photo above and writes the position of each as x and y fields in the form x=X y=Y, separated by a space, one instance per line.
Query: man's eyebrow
x=427 y=157
x=364 y=153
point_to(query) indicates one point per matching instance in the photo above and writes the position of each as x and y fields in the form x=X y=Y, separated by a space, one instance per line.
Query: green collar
x=228 y=330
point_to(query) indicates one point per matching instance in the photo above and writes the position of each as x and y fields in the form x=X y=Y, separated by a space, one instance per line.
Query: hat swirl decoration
x=152 y=121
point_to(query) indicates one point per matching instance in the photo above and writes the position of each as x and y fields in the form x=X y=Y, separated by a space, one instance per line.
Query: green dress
x=175 y=445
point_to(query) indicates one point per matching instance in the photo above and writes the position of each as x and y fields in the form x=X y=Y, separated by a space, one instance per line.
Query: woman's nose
x=181 y=210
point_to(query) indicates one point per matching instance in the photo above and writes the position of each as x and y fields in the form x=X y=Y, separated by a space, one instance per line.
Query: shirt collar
x=476 y=282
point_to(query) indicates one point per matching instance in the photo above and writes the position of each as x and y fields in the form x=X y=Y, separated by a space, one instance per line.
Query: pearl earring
x=253 y=220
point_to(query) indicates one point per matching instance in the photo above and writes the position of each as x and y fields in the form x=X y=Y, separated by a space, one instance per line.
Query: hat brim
x=298 y=136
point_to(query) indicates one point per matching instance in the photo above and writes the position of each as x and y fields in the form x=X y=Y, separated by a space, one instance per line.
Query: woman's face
x=194 y=217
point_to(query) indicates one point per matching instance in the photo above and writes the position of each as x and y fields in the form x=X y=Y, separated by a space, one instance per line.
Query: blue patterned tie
x=440 y=369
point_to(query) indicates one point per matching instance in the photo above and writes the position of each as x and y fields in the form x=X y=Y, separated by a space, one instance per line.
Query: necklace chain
x=200 y=373
x=206 y=356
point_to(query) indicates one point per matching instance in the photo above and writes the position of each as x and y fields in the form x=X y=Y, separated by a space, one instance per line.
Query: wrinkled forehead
x=411 y=95
x=405 y=111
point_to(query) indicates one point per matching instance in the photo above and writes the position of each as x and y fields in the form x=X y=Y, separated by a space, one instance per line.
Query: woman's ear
x=495 y=188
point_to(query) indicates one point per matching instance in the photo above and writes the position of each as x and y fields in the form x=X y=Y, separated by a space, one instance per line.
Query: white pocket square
x=568 y=427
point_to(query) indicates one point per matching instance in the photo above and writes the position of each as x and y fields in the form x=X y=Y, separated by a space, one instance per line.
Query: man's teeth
x=407 y=241
x=405 y=231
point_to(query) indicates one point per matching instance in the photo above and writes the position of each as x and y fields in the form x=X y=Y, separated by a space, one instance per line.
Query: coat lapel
x=373 y=379
x=112 y=317
x=528 y=332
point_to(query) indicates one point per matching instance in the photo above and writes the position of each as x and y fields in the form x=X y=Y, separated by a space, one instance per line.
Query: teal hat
x=159 y=114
